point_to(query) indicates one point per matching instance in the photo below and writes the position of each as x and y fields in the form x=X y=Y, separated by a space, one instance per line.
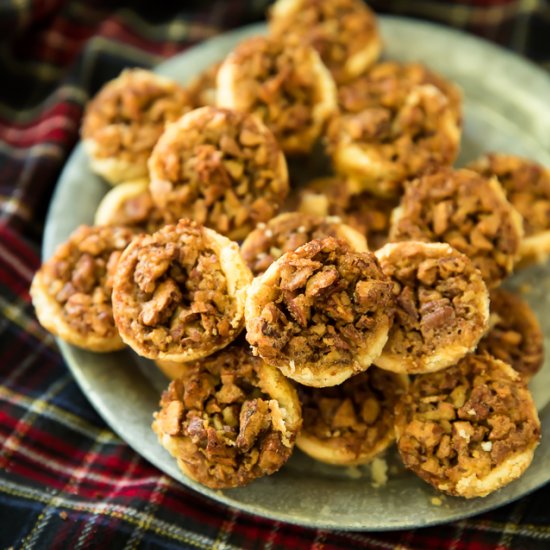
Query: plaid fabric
x=66 y=481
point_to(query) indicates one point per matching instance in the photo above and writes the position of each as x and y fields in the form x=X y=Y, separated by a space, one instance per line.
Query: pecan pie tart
x=351 y=423
x=321 y=313
x=71 y=291
x=515 y=336
x=221 y=168
x=284 y=83
x=527 y=186
x=470 y=429
x=231 y=419
x=124 y=120
x=344 y=32
x=467 y=211
x=179 y=293
x=396 y=122
x=442 y=306
x=290 y=230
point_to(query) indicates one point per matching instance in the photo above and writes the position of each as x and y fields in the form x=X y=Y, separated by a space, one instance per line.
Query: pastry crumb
x=379 y=472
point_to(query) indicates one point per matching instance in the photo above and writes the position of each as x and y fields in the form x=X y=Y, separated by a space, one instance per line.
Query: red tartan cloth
x=66 y=480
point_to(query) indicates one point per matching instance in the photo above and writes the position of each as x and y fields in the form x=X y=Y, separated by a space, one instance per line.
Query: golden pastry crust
x=467 y=211
x=515 y=336
x=282 y=82
x=288 y=231
x=130 y=204
x=365 y=212
x=442 y=306
x=220 y=168
x=202 y=89
x=71 y=292
x=470 y=429
x=351 y=423
x=124 y=120
x=396 y=122
x=231 y=419
x=343 y=32
x=173 y=369
x=320 y=313
x=527 y=186
x=179 y=293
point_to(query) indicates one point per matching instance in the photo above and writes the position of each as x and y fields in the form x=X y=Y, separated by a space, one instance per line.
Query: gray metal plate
x=506 y=109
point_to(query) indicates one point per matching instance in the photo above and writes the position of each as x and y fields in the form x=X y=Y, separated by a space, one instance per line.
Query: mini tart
x=202 y=89
x=515 y=336
x=288 y=231
x=231 y=419
x=365 y=212
x=442 y=306
x=220 y=168
x=470 y=429
x=179 y=293
x=71 y=292
x=351 y=423
x=527 y=187
x=124 y=120
x=344 y=32
x=395 y=123
x=130 y=204
x=467 y=211
x=320 y=313
x=285 y=84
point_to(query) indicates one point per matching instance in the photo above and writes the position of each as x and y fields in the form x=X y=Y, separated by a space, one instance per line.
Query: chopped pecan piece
x=474 y=448
x=224 y=446
x=481 y=223
x=345 y=308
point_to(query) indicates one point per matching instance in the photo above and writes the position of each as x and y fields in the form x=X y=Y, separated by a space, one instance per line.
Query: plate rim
x=95 y=399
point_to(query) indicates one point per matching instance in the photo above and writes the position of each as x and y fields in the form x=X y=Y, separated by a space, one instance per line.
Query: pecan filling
x=527 y=187
x=354 y=416
x=467 y=211
x=368 y=214
x=234 y=430
x=465 y=420
x=337 y=30
x=515 y=337
x=220 y=168
x=127 y=117
x=325 y=302
x=276 y=80
x=437 y=297
x=387 y=86
x=80 y=277
x=282 y=234
x=173 y=292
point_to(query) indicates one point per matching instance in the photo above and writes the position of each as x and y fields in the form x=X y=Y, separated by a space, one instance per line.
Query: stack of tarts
x=360 y=310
